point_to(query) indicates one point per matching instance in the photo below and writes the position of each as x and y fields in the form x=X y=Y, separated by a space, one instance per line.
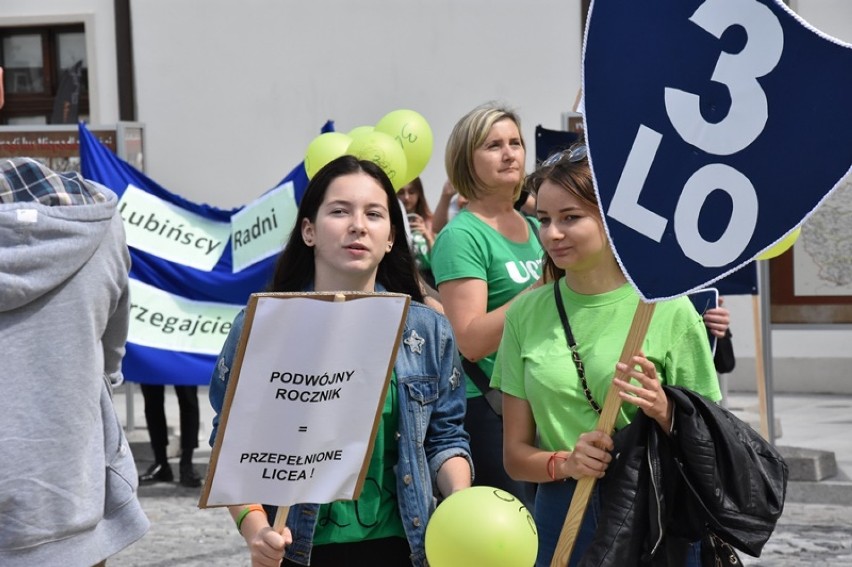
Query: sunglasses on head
x=571 y=155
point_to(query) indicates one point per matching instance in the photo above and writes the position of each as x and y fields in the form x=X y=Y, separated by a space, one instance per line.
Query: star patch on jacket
x=415 y=342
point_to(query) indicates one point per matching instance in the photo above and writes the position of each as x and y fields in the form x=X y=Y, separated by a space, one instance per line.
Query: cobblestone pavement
x=181 y=534
x=810 y=535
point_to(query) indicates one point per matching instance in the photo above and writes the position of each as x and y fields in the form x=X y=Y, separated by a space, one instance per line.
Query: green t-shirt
x=470 y=248
x=376 y=513
x=534 y=363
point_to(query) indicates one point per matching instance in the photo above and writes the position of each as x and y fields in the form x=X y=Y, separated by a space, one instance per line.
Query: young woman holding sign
x=350 y=236
x=551 y=399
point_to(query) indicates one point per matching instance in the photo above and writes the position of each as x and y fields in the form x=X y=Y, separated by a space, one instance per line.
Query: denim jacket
x=431 y=394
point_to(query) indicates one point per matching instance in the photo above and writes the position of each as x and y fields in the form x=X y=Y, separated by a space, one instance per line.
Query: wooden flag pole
x=759 y=369
x=606 y=424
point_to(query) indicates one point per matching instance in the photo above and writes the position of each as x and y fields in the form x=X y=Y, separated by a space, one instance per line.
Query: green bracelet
x=244 y=513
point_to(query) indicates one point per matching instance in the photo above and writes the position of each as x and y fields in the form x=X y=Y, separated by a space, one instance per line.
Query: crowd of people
x=523 y=419
x=517 y=356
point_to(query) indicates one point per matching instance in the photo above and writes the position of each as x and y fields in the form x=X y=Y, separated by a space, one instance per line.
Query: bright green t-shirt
x=534 y=362
x=470 y=248
x=376 y=513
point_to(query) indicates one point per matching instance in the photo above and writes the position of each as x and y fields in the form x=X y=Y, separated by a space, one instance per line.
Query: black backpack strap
x=481 y=381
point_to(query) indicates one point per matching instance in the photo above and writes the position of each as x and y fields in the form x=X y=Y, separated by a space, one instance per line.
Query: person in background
x=350 y=236
x=553 y=392
x=718 y=320
x=449 y=205
x=420 y=223
x=68 y=478
x=483 y=260
x=158 y=432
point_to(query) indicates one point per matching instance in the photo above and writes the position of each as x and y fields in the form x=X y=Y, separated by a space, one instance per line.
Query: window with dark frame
x=33 y=60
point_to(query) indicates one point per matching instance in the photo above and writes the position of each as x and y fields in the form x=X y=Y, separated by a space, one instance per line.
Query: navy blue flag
x=741 y=282
x=212 y=296
x=713 y=133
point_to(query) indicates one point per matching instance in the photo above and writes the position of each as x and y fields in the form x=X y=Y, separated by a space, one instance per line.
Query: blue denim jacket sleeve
x=446 y=435
x=222 y=372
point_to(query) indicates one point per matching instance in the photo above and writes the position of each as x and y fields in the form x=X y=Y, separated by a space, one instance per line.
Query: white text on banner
x=174 y=234
x=163 y=320
x=259 y=230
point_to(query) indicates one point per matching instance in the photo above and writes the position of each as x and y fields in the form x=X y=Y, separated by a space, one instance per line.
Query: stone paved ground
x=810 y=535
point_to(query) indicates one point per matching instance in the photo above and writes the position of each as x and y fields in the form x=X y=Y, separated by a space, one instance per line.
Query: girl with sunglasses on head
x=350 y=236
x=551 y=399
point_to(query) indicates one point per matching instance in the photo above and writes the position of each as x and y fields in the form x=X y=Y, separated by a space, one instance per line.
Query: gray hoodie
x=67 y=478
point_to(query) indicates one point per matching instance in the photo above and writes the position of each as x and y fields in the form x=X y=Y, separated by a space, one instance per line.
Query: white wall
x=233 y=92
x=833 y=17
x=99 y=19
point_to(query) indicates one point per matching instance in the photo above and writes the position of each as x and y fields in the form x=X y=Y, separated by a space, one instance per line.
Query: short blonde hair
x=468 y=134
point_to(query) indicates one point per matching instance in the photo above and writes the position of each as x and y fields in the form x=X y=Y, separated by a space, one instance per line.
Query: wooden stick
x=281 y=519
x=606 y=424
x=760 y=373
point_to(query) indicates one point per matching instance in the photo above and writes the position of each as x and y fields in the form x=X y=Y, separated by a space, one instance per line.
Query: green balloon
x=413 y=134
x=359 y=131
x=385 y=152
x=323 y=149
x=481 y=526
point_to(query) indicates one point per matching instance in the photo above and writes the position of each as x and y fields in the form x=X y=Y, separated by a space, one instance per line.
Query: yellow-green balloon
x=413 y=133
x=384 y=151
x=359 y=131
x=481 y=526
x=782 y=246
x=323 y=149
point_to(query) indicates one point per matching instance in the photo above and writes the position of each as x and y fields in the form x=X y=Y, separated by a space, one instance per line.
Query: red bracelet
x=551 y=465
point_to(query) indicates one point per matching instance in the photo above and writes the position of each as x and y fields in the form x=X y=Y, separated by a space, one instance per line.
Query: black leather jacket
x=714 y=479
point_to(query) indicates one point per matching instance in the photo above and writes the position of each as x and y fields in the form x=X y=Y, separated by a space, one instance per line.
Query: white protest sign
x=305 y=394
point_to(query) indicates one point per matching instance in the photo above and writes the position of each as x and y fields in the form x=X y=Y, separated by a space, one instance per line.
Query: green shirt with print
x=470 y=248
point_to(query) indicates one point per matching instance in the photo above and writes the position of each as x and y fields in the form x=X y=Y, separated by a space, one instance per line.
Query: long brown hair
x=295 y=268
x=422 y=207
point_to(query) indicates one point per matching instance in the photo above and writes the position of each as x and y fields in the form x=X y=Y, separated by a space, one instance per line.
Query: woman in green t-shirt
x=482 y=260
x=551 y=399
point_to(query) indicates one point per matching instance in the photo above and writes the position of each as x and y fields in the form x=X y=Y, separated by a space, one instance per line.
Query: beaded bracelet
x=245 y=512
x=551 y=465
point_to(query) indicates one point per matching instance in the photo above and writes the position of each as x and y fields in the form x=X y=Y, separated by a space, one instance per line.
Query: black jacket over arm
x=714 y=479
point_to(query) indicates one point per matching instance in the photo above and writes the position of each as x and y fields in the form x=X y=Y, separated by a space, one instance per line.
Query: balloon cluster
x=400 y=143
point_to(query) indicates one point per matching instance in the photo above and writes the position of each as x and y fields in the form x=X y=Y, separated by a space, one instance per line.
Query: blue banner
x=177 y=306
x=714 y=132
